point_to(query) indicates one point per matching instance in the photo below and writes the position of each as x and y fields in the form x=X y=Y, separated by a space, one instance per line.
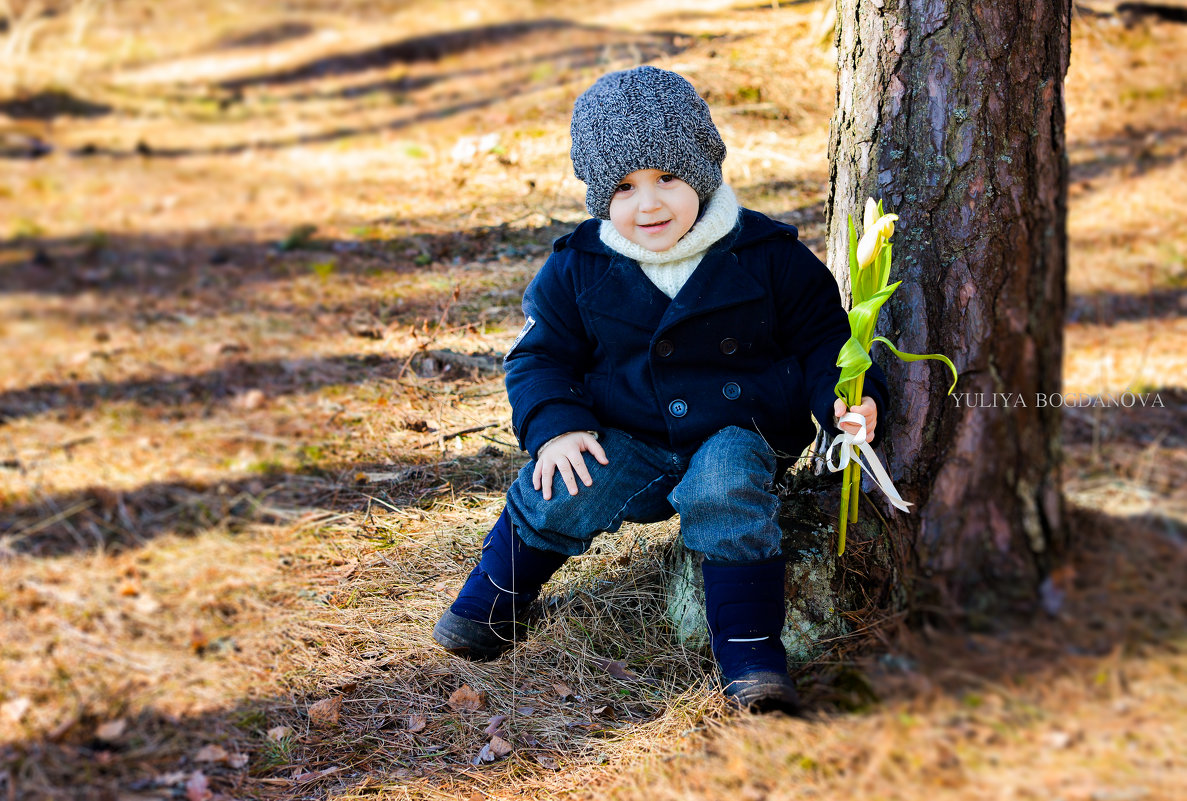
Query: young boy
x=673 y=350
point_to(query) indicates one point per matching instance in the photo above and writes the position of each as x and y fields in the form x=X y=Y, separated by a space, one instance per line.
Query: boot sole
x=468 y=639
x=764 y=692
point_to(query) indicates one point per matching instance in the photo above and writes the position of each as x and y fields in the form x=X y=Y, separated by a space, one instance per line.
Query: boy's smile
x=653 y=209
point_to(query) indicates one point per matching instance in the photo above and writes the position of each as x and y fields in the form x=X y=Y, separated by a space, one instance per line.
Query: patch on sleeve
x=528 y=326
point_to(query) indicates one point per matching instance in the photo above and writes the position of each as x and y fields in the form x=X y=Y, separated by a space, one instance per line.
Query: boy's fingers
x=582 y=471
x=598 y=453
x=566 y=470
x=546 y=479
x=536 y=476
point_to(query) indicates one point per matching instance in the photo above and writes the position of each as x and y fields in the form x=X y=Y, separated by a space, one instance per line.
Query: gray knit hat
x=638 y=119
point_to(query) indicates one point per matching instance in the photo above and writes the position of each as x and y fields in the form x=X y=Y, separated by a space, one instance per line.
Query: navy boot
x=494 y=603
x=744 y=605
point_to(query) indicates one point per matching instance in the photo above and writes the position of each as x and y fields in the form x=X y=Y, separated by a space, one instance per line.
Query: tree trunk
x=953 y=113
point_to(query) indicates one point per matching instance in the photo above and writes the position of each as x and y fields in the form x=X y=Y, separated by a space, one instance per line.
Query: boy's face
x=653 y=209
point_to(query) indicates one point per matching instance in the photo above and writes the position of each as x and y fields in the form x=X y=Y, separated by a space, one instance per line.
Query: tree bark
x=952 y=112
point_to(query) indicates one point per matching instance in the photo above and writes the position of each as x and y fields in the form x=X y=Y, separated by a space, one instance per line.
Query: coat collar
x=624 y=293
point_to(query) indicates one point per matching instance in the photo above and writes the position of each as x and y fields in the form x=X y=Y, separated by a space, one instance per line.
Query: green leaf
x=864 y=315
x=914 y=357
x=884 y=265
x=853 y=361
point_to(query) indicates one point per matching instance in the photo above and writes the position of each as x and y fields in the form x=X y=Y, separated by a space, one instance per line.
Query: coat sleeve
x=546 y=366
x=813 y=325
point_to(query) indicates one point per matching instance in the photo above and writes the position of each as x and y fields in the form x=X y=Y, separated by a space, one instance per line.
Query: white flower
x=876 y=234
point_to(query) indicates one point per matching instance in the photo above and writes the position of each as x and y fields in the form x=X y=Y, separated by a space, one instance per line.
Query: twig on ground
x=461 y=433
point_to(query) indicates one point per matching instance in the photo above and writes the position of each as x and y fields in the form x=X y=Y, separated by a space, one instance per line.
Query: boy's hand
x=563 y=453
x=867 y=409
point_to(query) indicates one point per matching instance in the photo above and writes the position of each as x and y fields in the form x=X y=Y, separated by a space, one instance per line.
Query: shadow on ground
x=412 y=103
x=105 y=520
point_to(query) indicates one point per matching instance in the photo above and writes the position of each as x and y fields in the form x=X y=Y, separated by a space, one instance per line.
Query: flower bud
x=874 y=237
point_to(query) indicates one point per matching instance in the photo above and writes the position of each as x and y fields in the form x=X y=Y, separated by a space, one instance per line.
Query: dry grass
x=229 y=475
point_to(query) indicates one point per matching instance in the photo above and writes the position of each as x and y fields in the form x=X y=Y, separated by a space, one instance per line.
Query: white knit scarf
x=669 y=269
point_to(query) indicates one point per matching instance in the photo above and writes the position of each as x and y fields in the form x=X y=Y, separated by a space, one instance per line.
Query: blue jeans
x=724 y=493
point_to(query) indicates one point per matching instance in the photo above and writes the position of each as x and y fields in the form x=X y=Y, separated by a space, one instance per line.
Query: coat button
x=578 y=391
x=731 y=391
x=664 y=348
x=729 y=346
x=678 y=408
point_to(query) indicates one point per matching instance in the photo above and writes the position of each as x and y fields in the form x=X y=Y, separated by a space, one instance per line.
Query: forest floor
x=258 y=263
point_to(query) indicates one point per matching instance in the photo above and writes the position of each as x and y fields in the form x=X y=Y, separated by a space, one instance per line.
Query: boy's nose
x=648 y=200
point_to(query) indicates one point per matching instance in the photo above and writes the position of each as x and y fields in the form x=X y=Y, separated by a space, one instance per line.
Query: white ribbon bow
x=854 y=446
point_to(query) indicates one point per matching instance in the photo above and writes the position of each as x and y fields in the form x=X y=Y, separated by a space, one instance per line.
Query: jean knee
x=727 y=503
x=732 y=460
x=630 y=486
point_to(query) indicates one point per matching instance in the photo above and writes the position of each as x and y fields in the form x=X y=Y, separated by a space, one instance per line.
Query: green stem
x=851 y=475
x=855 y=492
x=844 y=519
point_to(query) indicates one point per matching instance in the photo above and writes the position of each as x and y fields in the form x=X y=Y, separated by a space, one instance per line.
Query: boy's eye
x=623 y=188
x=663 y=179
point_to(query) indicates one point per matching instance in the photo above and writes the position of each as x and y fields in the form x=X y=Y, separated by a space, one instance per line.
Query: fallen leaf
x=1057 y=740
x=129 y=588
x=111 y=731
x=597 y=710
x=499 y=747
x=197 y=788
x=547 y=762
x=485 y=755
x=1055 y=588
x=63 y=728
x=526 y=711
x=562 y=690
x=417 y=723
x=238 y=760
x=309 y=776
x=252 y=399
x=211 y=753
x=198 y=640
x=278 y=733
x=16 y=709
x=618 y=670
x=324 y=714
x=495 y=723
x=464 y=698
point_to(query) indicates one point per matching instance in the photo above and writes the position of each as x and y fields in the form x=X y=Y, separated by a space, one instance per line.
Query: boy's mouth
x=656 y=226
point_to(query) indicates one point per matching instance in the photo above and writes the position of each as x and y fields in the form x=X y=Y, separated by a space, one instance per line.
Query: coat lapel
x=717 y=283
x=624 y=293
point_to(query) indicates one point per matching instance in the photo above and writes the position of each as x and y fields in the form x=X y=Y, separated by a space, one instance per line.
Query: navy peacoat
x=751 y=340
